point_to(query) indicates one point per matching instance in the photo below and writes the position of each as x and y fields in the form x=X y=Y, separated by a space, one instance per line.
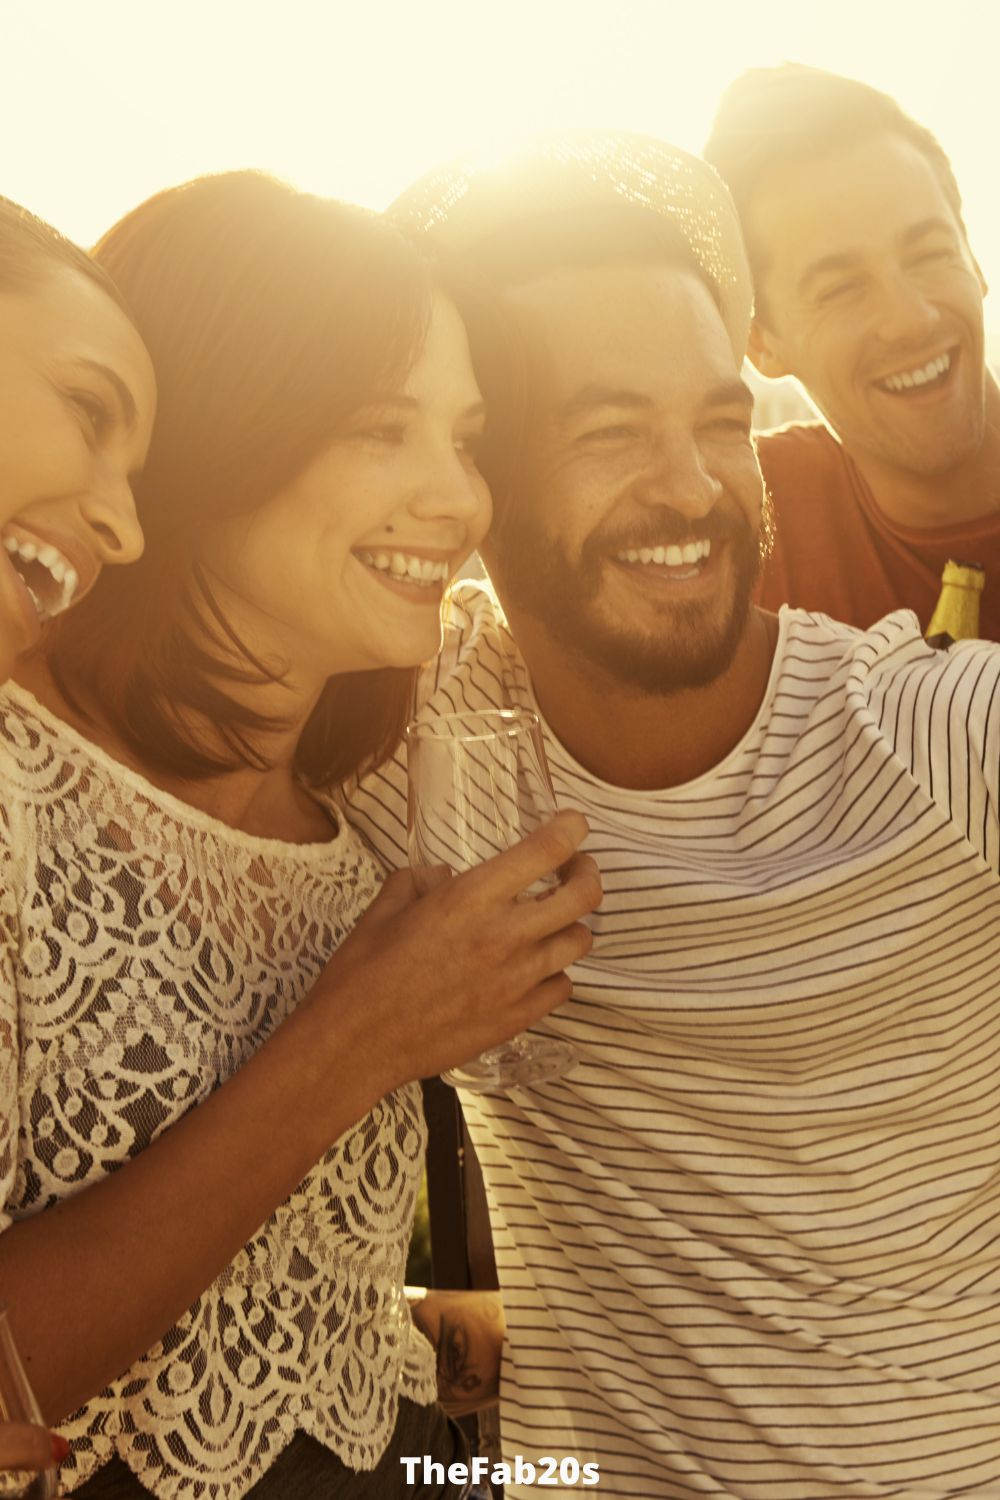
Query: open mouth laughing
x=674 y=562
x=49 y=577
x=930 y=376
x=679 y=561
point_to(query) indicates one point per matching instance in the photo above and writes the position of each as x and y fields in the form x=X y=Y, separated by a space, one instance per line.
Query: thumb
x=397 y=892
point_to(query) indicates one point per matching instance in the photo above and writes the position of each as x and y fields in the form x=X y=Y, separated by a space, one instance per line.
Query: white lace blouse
x=147 y=950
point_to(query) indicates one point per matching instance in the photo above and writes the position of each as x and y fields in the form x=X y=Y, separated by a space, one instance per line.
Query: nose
x=678 y=476
x=904 y=314
x=452 y=488
x=108 y=508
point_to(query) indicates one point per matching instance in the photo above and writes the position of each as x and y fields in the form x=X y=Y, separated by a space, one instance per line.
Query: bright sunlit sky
x=105 y=101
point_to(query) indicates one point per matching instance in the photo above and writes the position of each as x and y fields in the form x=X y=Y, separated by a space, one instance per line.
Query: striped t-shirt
x=750 y=1247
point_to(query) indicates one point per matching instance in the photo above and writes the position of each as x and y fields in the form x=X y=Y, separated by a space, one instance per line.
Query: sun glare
x=109 y=102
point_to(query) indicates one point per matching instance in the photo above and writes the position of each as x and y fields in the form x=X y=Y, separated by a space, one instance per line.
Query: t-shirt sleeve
x=943 y=716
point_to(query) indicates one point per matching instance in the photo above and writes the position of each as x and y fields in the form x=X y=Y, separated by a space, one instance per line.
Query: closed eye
x=612 y=433
x=730 y=427
x=939 y=255
x=382 y=432
x=95 y=413
x=839 y=292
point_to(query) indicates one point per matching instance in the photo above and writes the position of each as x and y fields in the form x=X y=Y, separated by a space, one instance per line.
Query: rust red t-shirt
x=835 y=552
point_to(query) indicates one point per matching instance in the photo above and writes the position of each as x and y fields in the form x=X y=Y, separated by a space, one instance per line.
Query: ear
x=764 y=352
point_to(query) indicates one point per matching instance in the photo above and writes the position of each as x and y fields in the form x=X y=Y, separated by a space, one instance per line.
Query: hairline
x=794 y=155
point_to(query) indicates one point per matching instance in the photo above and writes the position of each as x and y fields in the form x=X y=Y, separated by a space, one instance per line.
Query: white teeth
x=419 y=570
x=907 y=379
x=670 y=557
x=62 y=571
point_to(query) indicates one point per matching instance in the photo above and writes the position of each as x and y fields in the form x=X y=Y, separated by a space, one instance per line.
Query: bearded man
x=747 y=1245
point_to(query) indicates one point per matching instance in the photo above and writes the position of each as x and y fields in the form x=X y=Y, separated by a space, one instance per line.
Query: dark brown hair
x=611 y=233
x=271 y=317
x=769 y=118
x=30 y=250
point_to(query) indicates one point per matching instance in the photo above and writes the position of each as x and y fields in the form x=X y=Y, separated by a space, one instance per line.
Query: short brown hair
x=271 y=317
x=769 y=118
x=586 y=235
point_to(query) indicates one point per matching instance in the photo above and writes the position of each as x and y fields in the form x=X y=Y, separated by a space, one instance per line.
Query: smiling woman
x=76 y=409
x=222 y=1138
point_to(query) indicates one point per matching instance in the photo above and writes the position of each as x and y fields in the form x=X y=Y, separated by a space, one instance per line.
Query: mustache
x=665 y=527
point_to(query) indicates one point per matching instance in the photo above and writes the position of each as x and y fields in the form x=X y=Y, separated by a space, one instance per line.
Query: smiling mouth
x=674 y=561
x=407 y=568
x=49 y=577
x=925 y=377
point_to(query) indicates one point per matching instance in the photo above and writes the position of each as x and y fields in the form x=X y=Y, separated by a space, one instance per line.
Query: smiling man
x=868 y=293
x=747 y=1245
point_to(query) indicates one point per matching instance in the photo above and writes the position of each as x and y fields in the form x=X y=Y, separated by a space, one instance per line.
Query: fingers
x=541 y=976
x=578 y=894
x=545 y=850
x=23 y=1446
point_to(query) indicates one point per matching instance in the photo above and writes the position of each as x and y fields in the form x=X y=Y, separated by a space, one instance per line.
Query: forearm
x=467 y=1330
x=97 y=1279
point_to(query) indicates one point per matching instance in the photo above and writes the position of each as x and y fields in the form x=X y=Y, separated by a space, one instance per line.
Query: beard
x=695 y=641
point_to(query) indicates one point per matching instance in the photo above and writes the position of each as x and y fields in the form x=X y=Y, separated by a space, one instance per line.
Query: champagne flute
x=478 y=783
x=18 y=1404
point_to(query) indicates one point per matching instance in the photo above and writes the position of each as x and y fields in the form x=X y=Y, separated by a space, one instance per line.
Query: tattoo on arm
x=466 y=1329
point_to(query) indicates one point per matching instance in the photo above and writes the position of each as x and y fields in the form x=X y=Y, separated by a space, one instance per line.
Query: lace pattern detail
x=147 y=952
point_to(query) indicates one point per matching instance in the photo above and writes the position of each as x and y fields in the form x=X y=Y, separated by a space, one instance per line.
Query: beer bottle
x=956 y=615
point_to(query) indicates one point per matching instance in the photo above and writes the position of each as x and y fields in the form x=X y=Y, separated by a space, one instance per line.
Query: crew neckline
x=660 y=794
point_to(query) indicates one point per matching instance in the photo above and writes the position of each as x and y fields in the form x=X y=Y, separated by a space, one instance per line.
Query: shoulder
x=940 y=710
x=799 y=450
x=892 y=657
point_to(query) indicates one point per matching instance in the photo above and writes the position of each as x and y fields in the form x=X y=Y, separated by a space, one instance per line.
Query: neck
x=266 y=803
x=657 y=741
x=967 y=492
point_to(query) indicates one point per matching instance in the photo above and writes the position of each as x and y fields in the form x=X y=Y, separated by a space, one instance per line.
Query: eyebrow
x=410 y=403
x=125 y=398
x=591 y=397
x=928 y=226
x=848 y=260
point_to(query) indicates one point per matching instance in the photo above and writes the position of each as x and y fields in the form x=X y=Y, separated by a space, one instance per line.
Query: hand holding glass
x=18 y=1404
x=478 y=783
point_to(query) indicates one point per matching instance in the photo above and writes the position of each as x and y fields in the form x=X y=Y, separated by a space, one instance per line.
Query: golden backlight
x=104 y=103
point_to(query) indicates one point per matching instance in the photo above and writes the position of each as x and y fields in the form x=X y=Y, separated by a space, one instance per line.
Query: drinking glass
x=478 y=782
x=18 y=1404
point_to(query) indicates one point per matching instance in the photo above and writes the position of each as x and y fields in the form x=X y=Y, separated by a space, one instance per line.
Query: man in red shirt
x=867 y=292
